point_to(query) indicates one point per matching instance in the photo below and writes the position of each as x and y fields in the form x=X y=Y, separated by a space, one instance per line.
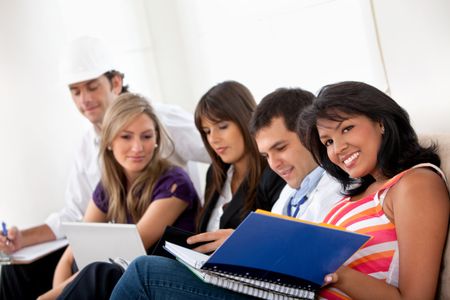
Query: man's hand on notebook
x=12 y=241
x=213 y=240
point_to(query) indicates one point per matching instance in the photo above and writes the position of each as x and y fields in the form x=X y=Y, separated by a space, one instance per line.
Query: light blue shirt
x=300 y=195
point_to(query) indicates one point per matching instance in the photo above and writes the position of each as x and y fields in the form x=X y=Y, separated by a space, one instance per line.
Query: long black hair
x=400 y=148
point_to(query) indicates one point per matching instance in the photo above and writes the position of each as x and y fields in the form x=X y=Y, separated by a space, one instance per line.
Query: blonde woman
x=137 y=186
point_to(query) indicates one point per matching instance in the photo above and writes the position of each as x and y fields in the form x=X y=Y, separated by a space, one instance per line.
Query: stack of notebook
x=273 y=257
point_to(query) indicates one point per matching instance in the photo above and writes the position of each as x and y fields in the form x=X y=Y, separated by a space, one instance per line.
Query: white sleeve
x=84 y=176
x=180 y=125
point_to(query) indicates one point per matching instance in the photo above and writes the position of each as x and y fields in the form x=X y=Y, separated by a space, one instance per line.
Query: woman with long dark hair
x=238 y=180
x=395 y=192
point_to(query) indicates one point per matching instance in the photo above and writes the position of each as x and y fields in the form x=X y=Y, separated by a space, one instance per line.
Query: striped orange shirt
x=379 y=257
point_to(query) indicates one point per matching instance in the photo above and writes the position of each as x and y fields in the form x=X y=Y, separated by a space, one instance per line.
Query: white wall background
x=174 y=50
x=415 y=41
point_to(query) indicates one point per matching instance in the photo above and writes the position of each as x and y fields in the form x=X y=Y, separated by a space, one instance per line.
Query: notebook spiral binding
x=257 y=287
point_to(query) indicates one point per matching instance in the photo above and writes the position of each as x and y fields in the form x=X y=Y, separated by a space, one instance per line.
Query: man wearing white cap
x=94 y=82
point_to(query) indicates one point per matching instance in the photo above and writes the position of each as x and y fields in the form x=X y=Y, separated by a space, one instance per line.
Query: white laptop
x=92 y=242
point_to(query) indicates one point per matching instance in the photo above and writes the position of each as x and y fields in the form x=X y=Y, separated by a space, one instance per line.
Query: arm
x=215 y=239
x=54 y=293
x=83 y=178
x=159 y=214
x=173 y=193
x=420 y=207
x=22 y=238
x=63 y=270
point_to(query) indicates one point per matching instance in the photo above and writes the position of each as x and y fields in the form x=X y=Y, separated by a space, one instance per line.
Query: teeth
x=351 y=158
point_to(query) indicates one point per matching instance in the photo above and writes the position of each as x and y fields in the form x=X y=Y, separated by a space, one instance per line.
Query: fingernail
x=328 y=278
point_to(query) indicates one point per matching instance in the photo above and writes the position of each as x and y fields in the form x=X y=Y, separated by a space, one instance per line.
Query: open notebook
x=29 y=254
x=92 y=242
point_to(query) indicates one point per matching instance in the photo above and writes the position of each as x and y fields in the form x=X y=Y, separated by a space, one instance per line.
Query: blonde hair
x=133 y=199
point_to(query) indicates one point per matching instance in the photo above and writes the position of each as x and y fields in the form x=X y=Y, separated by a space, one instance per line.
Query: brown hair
x=230 y=101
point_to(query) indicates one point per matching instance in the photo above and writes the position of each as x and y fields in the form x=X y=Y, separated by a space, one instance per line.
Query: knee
x=145 y=262
x=103 y=270
x=145 y=266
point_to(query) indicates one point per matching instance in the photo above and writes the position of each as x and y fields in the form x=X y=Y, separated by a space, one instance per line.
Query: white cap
x=85 y=58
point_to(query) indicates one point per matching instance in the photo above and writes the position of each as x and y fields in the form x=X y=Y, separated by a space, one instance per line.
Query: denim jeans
x=155 y=277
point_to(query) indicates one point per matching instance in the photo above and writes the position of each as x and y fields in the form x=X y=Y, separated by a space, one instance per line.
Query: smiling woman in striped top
x=395 y=193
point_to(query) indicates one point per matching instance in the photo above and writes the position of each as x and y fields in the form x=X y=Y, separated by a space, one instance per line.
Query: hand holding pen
x=6 y=242
x=11 y=239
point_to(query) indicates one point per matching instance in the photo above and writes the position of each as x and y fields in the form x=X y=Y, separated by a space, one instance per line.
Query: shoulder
x=89 y=138
x=86 y=153
x=174 y=173
x=418 y=187
x=172 y=114
x=269 y=188
x=420 y=178
x=209 y=171
x=175 y=177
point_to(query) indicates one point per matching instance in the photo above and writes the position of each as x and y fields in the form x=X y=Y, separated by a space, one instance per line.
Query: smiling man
x=309 y=192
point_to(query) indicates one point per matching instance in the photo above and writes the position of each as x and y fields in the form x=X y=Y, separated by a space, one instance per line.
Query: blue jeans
x=155 y=277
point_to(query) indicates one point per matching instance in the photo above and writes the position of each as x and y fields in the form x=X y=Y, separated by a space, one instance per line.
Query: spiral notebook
x=274 y=257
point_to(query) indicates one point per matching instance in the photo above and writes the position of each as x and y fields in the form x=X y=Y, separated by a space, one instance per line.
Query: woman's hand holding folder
x=212 y=240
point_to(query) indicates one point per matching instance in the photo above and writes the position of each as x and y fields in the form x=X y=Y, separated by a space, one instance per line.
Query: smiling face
x=93 y=97
x=134 y=146
x=352 y=144
x=225 y=138
x=284 y=152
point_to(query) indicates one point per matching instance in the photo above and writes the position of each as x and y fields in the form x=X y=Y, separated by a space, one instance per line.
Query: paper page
x=31 y=253
x=191 y=257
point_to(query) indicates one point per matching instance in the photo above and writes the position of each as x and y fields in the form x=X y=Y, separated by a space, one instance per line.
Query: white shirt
x=85 y=173
x=225 y=196
x=320 y=200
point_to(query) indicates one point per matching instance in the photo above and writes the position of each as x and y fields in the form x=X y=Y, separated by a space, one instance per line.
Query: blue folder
x=273 y=248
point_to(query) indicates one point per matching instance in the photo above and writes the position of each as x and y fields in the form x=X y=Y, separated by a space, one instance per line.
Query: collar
x=308 y=184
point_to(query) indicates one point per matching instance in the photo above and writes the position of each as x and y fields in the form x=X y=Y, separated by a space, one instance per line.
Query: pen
x=4 y=230
x=5 y=233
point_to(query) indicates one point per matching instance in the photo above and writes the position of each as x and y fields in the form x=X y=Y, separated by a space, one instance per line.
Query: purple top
x=185 y=191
